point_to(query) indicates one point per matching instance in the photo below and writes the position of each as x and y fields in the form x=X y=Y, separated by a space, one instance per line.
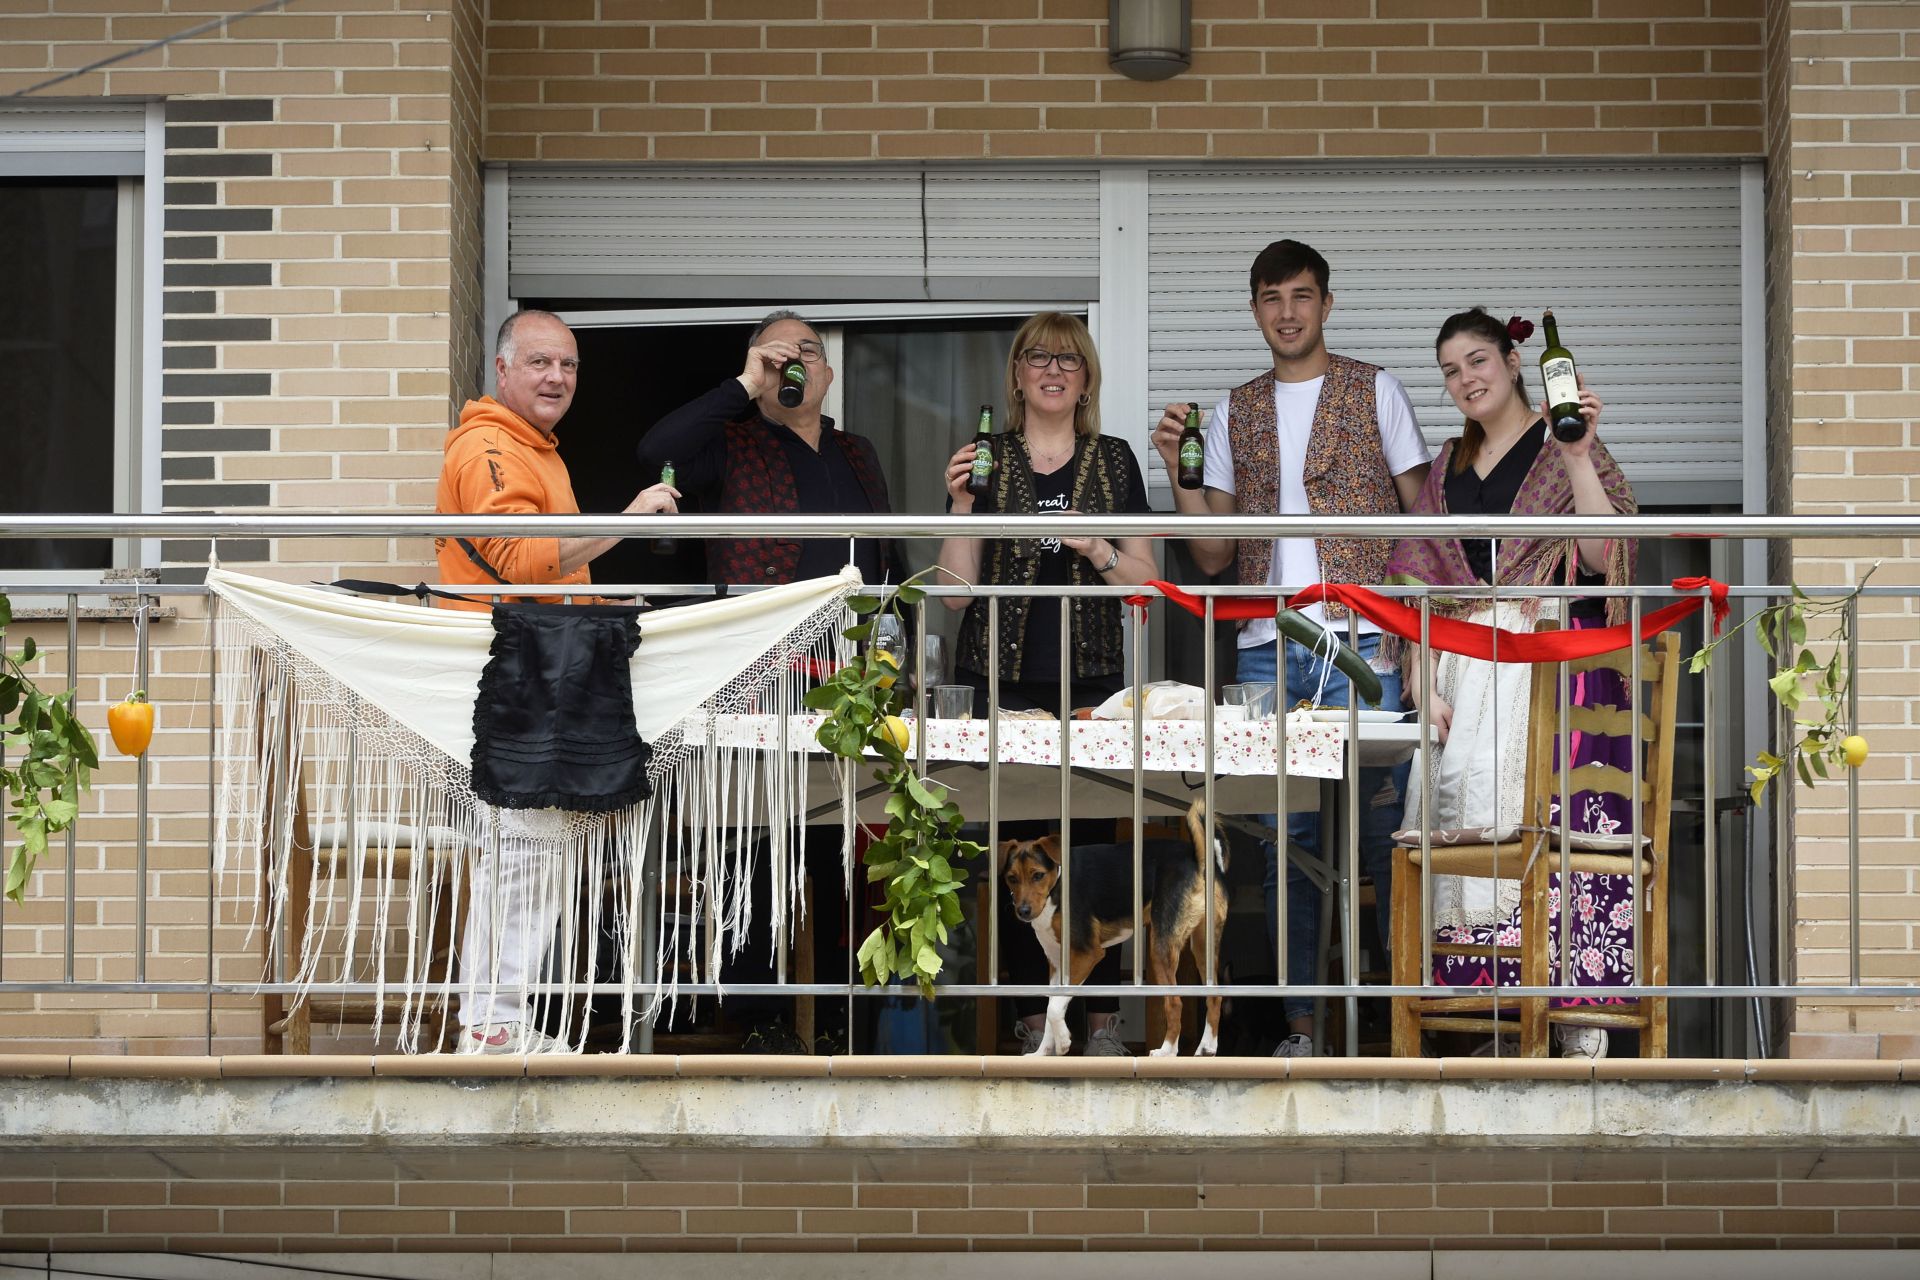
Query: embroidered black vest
x=1101 y=485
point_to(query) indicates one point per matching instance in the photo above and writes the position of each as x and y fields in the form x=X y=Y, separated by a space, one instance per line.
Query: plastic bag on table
x=1161 y=700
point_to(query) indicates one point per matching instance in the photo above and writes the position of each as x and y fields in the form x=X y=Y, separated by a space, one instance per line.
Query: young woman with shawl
x=1505 y=461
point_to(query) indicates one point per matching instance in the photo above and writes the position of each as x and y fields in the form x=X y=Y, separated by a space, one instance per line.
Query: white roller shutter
x=53 y=140
x=1640 y=264
x=871 y=234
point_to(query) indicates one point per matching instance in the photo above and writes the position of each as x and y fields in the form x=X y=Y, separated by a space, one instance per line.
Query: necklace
x=1049 y=456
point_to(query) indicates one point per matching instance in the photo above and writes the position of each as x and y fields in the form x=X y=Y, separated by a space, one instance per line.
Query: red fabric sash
x=1452 y=635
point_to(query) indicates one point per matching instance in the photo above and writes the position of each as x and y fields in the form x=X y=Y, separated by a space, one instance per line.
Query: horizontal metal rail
x=390 y=524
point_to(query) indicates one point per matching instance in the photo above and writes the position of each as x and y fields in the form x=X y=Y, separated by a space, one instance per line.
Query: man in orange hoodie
x=502 y=460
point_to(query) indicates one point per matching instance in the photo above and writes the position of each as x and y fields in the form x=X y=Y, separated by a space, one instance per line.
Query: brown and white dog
x=1173 y=907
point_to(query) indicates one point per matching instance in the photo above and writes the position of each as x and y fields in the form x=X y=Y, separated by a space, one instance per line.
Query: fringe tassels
x=356 y=848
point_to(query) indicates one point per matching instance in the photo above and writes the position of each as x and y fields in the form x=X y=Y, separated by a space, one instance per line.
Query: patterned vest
x=1345 y=472
x=759 y=481
x=1101 y=484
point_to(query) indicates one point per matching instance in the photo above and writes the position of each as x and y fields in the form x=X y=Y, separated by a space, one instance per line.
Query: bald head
x=536 y=365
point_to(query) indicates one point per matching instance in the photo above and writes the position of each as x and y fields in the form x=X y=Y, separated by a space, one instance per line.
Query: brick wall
x=1845 y=198
x=714 y=1202
x=321 y=208
x=321 y=139
x=679 y=80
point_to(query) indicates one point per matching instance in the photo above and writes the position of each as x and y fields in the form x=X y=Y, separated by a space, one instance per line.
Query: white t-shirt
x=1296 y=564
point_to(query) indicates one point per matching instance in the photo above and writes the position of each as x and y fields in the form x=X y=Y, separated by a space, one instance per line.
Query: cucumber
x=1364 y=680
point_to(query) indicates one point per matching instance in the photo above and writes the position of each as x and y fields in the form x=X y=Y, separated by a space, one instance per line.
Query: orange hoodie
x=498 y=463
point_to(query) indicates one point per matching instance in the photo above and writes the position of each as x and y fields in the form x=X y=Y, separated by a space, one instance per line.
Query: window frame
x=32 y=146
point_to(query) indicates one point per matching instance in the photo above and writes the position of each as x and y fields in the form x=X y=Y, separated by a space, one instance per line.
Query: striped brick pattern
x=678 y=80
x=237 y=1202
x=1846 y=123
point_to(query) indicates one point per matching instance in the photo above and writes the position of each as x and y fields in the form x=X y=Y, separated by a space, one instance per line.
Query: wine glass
x=888 y=640
x=933 y=654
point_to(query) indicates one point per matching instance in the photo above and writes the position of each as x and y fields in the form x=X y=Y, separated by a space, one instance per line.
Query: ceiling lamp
x=1149 y=39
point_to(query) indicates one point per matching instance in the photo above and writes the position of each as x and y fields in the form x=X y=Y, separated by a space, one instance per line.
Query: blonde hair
x=1056 y=331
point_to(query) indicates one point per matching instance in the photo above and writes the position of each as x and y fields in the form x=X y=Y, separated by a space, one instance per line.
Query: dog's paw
x=1208 y=1046
x=1168 y=1050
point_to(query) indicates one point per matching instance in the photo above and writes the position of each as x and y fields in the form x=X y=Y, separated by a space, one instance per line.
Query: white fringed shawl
x=368 y=706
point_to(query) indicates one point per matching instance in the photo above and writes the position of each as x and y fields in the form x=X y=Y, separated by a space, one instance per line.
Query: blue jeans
x=1383 y=802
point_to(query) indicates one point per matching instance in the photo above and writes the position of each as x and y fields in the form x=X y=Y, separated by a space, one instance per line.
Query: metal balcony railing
x=1756 y=938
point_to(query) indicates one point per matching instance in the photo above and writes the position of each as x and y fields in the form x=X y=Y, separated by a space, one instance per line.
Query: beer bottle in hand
x=665 y=546
x=793 y=384
x=1193 y=450
x=1563 y=386
x=980 y=479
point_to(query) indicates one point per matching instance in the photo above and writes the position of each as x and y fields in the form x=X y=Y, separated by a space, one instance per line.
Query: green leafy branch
x=919 y=856
x=1815 y=693
x=49 y=757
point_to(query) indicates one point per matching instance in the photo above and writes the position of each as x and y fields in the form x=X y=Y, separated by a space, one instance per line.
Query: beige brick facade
x=356 y=128
x=680 y=80
x=1844 y=374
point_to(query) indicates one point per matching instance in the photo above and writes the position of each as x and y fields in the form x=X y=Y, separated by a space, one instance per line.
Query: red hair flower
x=1519 y=329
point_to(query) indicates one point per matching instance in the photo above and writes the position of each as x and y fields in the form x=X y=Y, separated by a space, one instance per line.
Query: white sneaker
x=1297 y=1045
x=1029 y=1037
x=514 y=1038
x=1582 y=1042
x=1106 y=1042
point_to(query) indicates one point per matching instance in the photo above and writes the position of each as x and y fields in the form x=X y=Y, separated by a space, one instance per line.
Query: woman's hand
x=1590 y=407
x=1097 y=550
x=959 y=469
x=1439 y=710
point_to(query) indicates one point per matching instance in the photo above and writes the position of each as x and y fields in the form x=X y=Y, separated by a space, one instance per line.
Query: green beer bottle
x=980 y=479
x=1193 y=450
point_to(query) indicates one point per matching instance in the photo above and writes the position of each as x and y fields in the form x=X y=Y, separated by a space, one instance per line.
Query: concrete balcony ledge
x=799 y=1103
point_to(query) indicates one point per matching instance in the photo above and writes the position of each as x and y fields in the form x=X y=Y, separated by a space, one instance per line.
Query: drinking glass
x=953 y=702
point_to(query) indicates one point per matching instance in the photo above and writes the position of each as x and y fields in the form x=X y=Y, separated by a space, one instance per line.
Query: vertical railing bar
x=920 y=688
x=1634 y=791
x=1350 y=877
x=1786 y=951
x=992 y=923
x=1426 y=790
x=1853 y=795
x=73 y=835
x=1065 y=976
x=1138 y=618
x=1710 y=815
x=1281 y=810
x=213 y=782
x=1206 y=750
x=1563 y=687
x=141 y=778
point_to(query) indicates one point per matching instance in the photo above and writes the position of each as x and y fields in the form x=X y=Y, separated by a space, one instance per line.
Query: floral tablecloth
x=1242 y=748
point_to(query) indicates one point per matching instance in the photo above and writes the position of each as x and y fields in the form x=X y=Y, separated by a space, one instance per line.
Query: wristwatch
x=1112 y=560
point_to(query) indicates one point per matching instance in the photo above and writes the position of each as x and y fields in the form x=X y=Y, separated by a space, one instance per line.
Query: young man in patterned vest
x=1319 y=434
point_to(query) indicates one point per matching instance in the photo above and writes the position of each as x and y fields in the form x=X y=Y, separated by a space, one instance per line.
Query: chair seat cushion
x=1581 y=841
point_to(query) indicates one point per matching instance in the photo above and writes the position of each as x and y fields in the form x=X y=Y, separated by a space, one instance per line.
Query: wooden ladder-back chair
x=1532 y=854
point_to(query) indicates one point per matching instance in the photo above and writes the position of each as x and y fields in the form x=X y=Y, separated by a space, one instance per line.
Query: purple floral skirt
x=1602 y=905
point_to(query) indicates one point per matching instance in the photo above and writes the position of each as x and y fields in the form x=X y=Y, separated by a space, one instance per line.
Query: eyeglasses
x=810 y=351
x=1040 y=358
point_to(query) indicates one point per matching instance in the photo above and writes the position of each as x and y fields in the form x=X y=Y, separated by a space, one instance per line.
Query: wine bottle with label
x=1193 y=450
x=1562 y=383
x=980 y=479
x=793 y=384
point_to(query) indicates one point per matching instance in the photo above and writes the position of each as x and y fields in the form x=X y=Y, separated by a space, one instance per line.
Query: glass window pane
x=57 y=248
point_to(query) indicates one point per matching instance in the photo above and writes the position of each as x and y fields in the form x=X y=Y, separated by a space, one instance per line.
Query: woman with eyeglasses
x=1052 y=459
